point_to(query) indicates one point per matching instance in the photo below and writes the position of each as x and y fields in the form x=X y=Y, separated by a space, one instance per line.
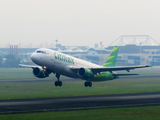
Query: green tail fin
x=111 y=61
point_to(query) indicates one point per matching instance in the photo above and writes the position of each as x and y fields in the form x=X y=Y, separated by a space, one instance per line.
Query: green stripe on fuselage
x=104 y=76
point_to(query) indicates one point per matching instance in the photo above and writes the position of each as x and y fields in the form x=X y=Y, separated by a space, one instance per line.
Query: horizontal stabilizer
x=123 y=74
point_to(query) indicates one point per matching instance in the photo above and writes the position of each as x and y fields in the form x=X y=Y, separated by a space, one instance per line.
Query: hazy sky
x=76 y=22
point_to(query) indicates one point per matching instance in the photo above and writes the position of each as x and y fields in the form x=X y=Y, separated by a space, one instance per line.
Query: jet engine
x=41 y=73
x=85 y=73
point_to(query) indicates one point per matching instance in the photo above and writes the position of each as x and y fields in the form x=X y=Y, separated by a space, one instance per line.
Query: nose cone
x=33 y=57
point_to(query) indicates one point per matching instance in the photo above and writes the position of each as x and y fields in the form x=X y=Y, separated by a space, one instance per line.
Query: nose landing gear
x=58 y=83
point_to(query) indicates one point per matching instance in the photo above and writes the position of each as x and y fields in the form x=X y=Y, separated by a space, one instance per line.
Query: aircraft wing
x=110 y=69
x=29 y=66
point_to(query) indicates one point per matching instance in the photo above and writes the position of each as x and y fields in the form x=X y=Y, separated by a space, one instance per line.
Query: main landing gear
x=58 y=83
x=86 y=84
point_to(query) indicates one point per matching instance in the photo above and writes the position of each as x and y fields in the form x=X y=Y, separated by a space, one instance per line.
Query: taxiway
x=79 y=103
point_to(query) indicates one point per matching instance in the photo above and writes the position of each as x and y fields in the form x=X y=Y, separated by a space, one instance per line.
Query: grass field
x=16 y=90
x=76 y=88
x=133 y=113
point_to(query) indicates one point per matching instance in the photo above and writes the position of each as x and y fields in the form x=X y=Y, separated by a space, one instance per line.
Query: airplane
x=50 y=61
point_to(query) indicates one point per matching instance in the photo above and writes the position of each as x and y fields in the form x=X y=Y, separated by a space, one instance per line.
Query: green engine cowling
x=40 y=73
x=85 y=73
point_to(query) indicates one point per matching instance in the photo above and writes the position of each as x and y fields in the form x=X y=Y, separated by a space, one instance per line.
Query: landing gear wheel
x=56 y=83
x=60 y=83
x=89 y=84
x=86 y=84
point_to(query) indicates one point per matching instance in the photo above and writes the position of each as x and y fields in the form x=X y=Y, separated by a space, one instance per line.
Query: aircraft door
x=52 y=59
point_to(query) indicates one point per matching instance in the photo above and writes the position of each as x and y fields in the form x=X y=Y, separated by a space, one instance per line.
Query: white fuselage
x=59 y=62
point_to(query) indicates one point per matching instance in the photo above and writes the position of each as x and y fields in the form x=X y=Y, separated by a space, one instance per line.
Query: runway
x=78 y=103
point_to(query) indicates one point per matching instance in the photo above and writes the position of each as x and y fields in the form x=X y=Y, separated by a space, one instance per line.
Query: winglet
x=20 y=65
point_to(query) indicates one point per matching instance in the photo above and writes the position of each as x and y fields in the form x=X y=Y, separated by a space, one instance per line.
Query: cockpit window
x=43 y=52
x=39 y=52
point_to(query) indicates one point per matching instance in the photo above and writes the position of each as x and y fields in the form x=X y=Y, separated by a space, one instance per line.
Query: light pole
x=140 y=52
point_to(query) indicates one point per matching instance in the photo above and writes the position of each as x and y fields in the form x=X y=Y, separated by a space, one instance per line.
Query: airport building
x=137 y=50
x=133 y=50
